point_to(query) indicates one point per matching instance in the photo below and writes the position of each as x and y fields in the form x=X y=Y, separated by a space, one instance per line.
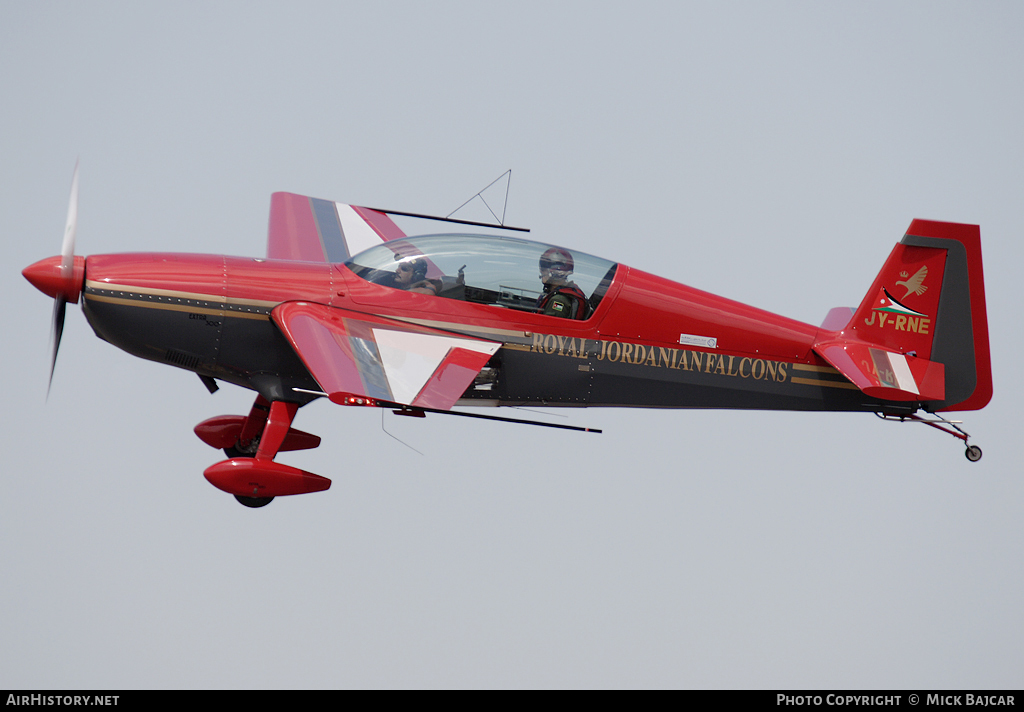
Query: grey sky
x=771 y=153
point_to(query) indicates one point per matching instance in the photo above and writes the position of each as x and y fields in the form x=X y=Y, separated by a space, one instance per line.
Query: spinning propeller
x=61 y=276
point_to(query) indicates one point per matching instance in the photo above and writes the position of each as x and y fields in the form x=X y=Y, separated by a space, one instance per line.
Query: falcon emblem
x=915 y=284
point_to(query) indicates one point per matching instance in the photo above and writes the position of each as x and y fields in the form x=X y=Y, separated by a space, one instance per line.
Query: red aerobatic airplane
x=346 y=306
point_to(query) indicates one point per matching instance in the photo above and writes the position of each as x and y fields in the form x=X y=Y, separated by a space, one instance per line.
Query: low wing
x=315 y=230
x=359 y=356
x=886 y=374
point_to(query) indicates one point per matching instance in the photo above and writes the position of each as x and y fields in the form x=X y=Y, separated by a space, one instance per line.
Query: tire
x=254 y=502
x=233 y=452
x=973 y=453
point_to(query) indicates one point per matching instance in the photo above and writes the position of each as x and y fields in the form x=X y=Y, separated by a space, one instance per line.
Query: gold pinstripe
x=456 y=326
x=827 y=384
x=819 y=369
x=176 y=307
x=90 y=284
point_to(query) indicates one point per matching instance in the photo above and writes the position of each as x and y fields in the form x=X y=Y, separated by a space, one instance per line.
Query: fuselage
x=649 y=342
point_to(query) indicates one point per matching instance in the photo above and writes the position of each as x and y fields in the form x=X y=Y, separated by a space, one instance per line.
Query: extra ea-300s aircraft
x=347 y=306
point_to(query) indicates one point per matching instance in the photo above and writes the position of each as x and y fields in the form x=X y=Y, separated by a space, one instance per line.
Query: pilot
x=411 y=275
x=560 y=297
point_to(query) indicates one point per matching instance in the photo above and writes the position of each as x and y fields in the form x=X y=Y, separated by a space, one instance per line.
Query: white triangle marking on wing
x=410 y=359
x=359 y=235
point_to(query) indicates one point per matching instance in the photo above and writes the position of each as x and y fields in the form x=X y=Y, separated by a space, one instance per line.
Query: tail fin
x=921 y=332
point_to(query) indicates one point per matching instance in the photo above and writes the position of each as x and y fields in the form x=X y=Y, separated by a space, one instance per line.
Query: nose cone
x=45 y=276
x=48 y=277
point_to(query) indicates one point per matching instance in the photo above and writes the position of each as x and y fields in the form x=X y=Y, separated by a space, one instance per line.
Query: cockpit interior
x=495 y=270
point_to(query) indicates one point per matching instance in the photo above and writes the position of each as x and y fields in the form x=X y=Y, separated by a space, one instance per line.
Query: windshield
x=488 y=269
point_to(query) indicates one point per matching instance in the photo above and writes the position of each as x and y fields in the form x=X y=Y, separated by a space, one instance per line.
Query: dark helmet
x=555 y=258
x=416 y=264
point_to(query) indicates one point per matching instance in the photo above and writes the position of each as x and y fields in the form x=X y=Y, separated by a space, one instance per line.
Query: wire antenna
x=508 y=184
x=396 y=438
x=542 y=412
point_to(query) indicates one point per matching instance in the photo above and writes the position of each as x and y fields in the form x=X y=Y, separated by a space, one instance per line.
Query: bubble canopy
x=486 y=269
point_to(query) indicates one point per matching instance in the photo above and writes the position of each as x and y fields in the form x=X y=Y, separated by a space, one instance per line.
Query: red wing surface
x=315 y=230
x=357 y=356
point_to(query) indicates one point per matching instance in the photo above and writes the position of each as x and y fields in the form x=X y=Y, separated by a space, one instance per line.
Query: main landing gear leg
x=252 y=443
x=239 y=435
x=972 y=453
x=273 y=422
x=278 y=423
x=249 y=437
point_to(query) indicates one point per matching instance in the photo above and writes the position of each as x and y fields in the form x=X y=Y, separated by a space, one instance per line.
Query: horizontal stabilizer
x=885 y=374
x=837 y=318
x=356 y=356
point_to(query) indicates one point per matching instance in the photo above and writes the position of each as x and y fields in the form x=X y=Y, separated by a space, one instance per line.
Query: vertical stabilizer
x=923 y=315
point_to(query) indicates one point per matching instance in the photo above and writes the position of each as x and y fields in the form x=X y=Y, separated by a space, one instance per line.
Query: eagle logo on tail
x=915 y=284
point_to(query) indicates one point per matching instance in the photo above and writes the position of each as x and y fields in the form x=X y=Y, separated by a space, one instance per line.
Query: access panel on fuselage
x=540 y=373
